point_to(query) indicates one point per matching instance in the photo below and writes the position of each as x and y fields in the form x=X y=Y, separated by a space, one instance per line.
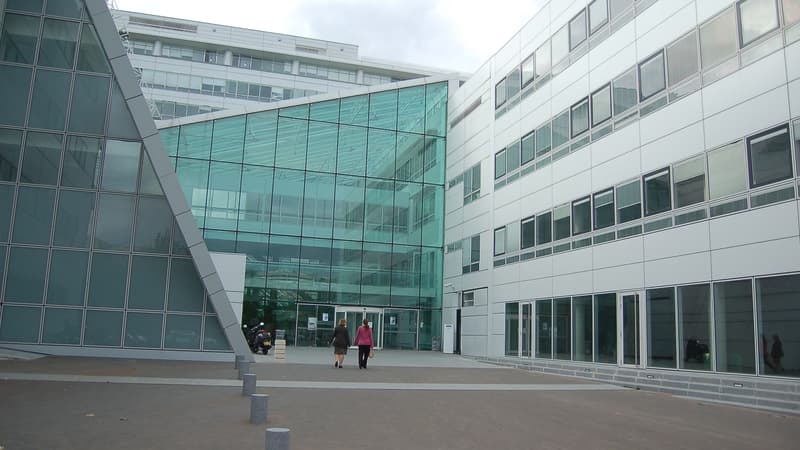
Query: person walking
x=364 y=342
x=340 y=341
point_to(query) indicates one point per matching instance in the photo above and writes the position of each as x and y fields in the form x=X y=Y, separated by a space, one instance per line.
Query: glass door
x=355 y=317
x=525 y=330
x=630 y=328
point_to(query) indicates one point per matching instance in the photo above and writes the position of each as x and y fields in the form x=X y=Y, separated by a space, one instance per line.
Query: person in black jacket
x=340 y=341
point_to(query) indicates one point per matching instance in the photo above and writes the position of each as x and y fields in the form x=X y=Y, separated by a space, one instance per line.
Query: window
x=528 y=147
x=512 y=329
x=657 y=197
x=733 y=314
x=791 y=12
x=651 y=76
x=544 y=329
x=601 y=105
x=472 y=183
x=500 y=93
x=544 y=230
x=560 y=43
x=580 y=117
x=527 y=71
x=777 y=309
x=689 y=182
x=718 y=39
x=598 y=15
x=561 y=129
x=682 y=59
x=756 y=18
x=694 y=327
x=605 y=330
x=604 y=209
x=471 y=254
x=528 y=232
x=542 y=59
x=727 y=173
x=468 y=298
x=625 y=96
x=513 y=83
x=581 y=216
x=618 y=7
x=499 y=164
x=512 y=157
x=770 y=156
x=582 y=323
x=629 y=202
x=543 y=140
x=577 y=30
x=561 y=228
x=499 y=241
x=660 y=310
x=797 y=143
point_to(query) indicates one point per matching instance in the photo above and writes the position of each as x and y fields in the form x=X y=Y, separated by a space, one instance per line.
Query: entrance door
x=630 y=328
x=355 y=317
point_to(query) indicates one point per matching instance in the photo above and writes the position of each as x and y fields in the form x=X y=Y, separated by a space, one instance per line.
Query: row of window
x=766 y=157
x=675 y=67
x=742 y=326
x=219 y=86
x=552 y=57
x=174 y=110
x=69 y=9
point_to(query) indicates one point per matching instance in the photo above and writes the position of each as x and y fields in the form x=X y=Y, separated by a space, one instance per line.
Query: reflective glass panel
x=527 y=70
x=20 y=324
x=561 y=328
x=25 y=5
x=770 y=156
x=114 y=221
x=411 y=109
x=544 y=329
x=10 y=142
x=292 y=143
x=604 y=209
x=169 y=137
x=581 y=216
x=34 y=215
x=67 y=281
x=718 y=39
x=727 y=171
x=689 y=181
x=91 y=57
x=409 y=158
x=433 y=215
x=580 y=118
x=214 y=337
x=183 y=332
x=57 y=47
x=41 y=158
x=121 y=166
x=287 y=202
x=345 y=272
x=64 y=8
x=577 y=30
x=561 y=226
x=682 y=59
x=757 y=18
x=499 y=241
x=778 y=311
x=605 y=331
x=322 y=141
x=657 y=196
x=327 y=111
x=560 y=45
x=228 y=139
x=379 y=211
x=434 y=159
x=49 y=102
x=601 y=105
x=561 y=129
x=185 y=287
x=14 y=91
x=406 y=272
x=153 y=225
x=143 y=330
x=193 y=178
x=543 y=59
x=120 y=123
x=74 y=219
x=381 y=153
x=661 y=328
x=436 y=109
x=733 y=317
x=352 y=156
x=27 y=268
x=89 y=104
x=629 y=202
x=6 y=198
x=107 y=284
x=651 y=76
x=349 y=208
x=694 y=327
x=318 y=205
x=791 y=11
x=18 y=39
x=383 y=110
x=255 y=204
x=195 y=140
x=625 y=94
x=81 y=167
x=315 y=270
x=224 y=182
x=260 y=138
x=283 y=268
x=354 y=110
x=103 y=328
x=528 y=231
x=148 y=283
x=544 y=228
x=582 y=343
x=598 y=15
x=543 y=140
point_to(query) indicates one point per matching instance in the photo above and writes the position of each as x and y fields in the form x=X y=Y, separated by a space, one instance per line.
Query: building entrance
x=355 y=316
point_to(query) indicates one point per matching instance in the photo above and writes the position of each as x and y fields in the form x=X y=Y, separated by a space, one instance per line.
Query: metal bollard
x=249 y=384
x=277 y=439
x=244 y=367
x=258 y=408
x=237 y=360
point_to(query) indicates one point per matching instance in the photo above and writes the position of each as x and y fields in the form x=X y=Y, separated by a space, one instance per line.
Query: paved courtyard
x=405 y=400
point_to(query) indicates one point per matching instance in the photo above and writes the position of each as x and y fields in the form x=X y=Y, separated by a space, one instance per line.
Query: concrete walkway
x=405 y=400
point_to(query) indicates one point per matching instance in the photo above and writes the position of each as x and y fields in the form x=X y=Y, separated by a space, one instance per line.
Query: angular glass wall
x=338 y=202
x=89 y=254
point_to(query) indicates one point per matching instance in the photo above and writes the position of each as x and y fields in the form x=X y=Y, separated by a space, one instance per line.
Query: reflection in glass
x=318 y=204
x=689 y=180
x=57 y=47
x=222 y=208
x=353 y=110
x=153 y=225
x=260 y=138
x=182 y=332
x=41 y=158
x=682 y=59
x=661 y=328
x=255 y=205
x=143 y=330
x=18 y=40
x=322 y=142
x=25 y=276
x=694 y=327
x=352 y=155
x=381 y=153
x=20 y=324
x=67 y=281
x=113 y=231
x=625 y=93
x=544 y=329
x=727 y=170
x=91 y=57
x=561 y=328
x=315 y=270
x=33 y=215
x=512 y=329
x=121 y=166
x=718 y=39
x=411 y=109
x=651 y=76
x=81 y=166
x=292 y=143
x=107 y=284
x=657 y=193
x=49 y=102
x=148 y=283
x=778 y=314
x=582 y=328
x=89 y=103
x=346 y=272
x=580 y=118
x=757 y=17
x=10 y=142
x=376 y=270
x=629 y=202
x=228 y=139
x=733 y=319
x=14 y=92
x=770 y=157
x=383 y=110
x=62 y=326
x=605 y=330
x=103 y=328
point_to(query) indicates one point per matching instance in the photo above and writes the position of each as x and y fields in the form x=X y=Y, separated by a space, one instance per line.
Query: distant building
x=190 y=67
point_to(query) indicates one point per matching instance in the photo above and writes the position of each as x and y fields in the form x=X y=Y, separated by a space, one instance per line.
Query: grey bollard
x=244 y=367
x=237 y=360
x=258 y=408
x=249 y=384
x=277 y=439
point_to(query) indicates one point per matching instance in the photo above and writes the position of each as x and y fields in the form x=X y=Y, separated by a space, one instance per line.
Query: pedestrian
x=365 y=343
x=777 y=353
x=340 y=341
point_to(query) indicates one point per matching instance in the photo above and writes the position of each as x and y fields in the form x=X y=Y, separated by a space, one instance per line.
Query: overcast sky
x=450 y=34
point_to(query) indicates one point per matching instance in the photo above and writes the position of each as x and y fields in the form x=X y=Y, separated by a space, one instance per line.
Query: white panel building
x=622 y=198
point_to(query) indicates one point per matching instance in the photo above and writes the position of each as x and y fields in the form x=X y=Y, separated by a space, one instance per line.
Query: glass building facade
x=90 y=254
x=338 y=205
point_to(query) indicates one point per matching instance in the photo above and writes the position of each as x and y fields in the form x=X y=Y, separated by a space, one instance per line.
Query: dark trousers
x=363 y=355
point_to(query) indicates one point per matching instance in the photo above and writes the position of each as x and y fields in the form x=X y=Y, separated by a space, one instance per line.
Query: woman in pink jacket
x=365 y=343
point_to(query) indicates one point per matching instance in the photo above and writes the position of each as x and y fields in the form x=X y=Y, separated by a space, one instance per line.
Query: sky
x=448 y=34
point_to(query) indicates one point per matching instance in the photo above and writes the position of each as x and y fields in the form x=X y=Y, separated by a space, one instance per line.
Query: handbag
x=371 y=354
